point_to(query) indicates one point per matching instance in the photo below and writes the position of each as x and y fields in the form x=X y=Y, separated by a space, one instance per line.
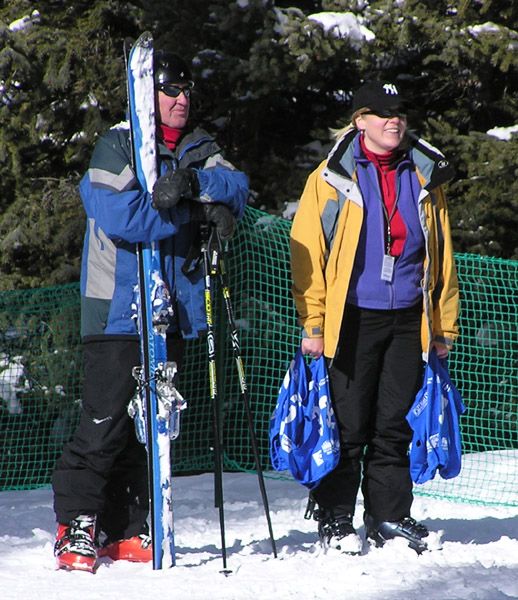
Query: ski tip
x=145 y=39
x=127 y=44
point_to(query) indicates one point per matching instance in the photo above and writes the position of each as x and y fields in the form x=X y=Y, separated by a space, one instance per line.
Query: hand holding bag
x=304 y=437
x=434 y=419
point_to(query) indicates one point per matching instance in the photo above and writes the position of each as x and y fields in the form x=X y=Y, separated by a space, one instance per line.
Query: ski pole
x=219 y=265
x=205 y=234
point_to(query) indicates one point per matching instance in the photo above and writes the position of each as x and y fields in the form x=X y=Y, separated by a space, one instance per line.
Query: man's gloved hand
x=174 y=186
x=219 y=215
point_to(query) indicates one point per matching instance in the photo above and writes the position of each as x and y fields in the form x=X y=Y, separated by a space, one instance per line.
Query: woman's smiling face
x=382 y=134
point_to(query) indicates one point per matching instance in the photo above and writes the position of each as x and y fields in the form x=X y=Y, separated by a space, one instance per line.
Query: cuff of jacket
x=443 y=340
x=314 y=332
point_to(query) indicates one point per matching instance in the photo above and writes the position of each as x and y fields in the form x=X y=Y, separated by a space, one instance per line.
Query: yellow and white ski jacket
x=324 y=241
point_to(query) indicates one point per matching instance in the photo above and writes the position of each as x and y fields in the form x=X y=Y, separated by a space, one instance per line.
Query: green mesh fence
x=40 y=370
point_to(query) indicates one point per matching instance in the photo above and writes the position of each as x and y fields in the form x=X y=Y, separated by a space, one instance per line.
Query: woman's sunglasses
x=387 y=114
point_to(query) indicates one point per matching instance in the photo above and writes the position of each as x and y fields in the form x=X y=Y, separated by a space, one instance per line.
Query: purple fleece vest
x=366 y=288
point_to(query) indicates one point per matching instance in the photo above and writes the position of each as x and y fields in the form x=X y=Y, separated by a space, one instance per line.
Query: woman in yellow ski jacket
x=375 y=288
x=325 y=232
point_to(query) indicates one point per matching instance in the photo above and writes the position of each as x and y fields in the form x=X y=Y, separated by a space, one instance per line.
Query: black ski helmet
x=170 y=68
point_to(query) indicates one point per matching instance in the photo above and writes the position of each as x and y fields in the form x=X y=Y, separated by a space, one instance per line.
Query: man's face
x=174 y=111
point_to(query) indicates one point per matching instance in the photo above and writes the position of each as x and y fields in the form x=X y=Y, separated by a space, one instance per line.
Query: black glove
x=174 y=186
x=218 y=215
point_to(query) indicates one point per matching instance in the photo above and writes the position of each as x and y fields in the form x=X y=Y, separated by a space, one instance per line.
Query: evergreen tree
x=61 y=69
x=272 y=78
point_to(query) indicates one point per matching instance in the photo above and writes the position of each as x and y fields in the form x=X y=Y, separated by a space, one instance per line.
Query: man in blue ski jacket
x=100 y=481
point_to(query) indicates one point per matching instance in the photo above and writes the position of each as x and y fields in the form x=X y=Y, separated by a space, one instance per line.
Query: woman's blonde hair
x=337 y=133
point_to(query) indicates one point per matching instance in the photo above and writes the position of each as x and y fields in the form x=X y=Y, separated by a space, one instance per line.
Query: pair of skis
x=156 y=409
x=158 y=404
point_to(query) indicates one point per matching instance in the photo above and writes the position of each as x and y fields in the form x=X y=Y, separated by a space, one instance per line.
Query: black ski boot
x=335 y=529
x=381 y=531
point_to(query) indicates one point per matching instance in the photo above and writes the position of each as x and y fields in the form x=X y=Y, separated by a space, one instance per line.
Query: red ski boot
x=135 y=549
x=75 y=547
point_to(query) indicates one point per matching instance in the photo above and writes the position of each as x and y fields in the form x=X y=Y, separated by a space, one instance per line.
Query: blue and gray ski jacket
x=119 y=214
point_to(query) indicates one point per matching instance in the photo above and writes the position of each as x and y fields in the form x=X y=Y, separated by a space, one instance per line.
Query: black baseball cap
x=381 y=97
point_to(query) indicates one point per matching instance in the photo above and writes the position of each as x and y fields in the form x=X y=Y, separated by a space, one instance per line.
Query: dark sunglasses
x=386 y=114
x=173 y=91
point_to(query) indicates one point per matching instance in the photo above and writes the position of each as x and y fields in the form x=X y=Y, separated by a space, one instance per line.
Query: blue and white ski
x=156 y=409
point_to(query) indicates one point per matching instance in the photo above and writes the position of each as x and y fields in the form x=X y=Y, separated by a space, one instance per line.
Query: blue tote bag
x=304 y=436
x=434 y=419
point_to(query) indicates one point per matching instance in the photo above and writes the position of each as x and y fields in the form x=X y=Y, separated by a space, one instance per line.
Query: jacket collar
x=429 y=161
x=194 y=139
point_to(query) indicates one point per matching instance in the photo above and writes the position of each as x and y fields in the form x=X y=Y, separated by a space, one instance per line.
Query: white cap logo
x=390 y=88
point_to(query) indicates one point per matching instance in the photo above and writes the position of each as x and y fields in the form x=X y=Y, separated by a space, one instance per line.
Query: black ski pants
x=103 y=469
x=374 y=379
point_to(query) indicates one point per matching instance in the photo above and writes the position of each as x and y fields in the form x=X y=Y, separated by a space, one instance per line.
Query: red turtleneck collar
x=170 y=136
x=385 y=161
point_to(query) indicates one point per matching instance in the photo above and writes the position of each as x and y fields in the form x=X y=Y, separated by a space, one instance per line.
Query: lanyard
x=386 y=217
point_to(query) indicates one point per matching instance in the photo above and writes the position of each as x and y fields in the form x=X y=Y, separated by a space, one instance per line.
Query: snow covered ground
x=478 y=561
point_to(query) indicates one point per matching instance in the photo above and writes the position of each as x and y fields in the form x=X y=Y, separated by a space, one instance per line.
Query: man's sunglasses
x=173 y=91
